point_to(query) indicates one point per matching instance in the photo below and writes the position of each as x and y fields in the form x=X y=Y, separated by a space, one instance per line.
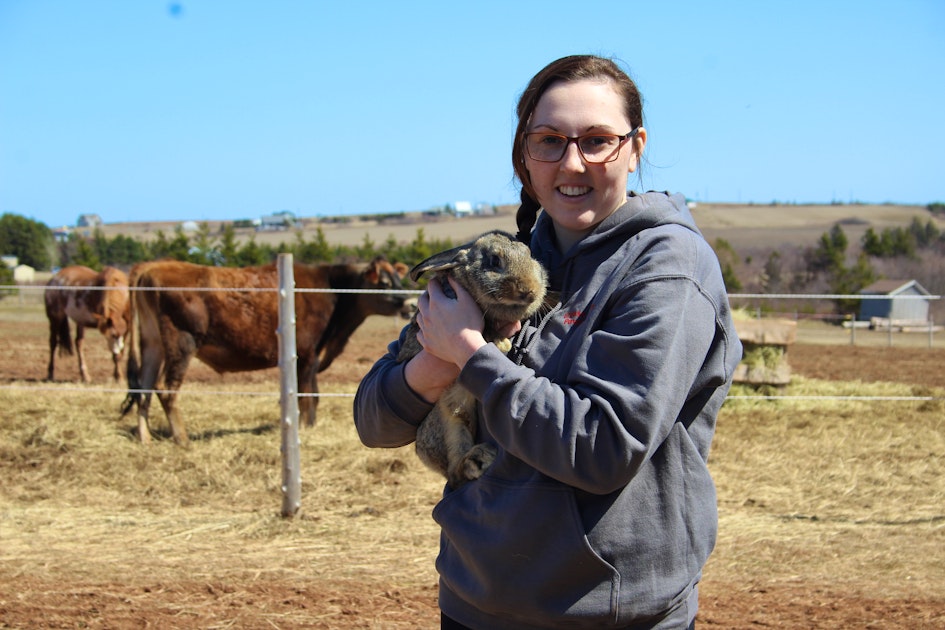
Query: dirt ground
x=132 y=601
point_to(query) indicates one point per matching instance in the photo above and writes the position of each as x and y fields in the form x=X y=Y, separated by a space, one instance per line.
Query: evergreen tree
x=229 y=252
x=251 y=254
x=203 y=251
x=872 y=244
x=728 y=261
x=86 y=254
x=124 y=251
x=179 y=247
x=367 y=250
x=829 y=254
x=772 y=276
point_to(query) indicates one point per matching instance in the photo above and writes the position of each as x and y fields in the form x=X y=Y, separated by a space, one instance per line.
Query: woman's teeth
x=573 y=191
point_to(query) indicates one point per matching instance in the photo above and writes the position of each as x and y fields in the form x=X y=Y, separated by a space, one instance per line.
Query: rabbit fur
x=509 y=285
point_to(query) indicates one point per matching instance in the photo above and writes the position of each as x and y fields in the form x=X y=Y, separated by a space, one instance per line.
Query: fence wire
x=412 y=292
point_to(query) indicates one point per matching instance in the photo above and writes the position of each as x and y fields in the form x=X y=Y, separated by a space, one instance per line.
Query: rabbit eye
x=494 y=261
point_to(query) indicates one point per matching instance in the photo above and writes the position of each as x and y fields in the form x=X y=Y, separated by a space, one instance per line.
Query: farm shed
x=277 y=221
x=24 y=274
x=913 y=309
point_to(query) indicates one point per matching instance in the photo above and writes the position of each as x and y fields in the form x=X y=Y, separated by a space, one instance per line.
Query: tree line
x=831 y=266
x=32 y=242
x=834 y=266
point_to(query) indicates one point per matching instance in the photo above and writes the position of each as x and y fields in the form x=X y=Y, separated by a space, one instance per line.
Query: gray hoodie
x=599 y=510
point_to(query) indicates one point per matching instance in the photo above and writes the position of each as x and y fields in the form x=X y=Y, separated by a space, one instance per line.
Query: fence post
x=288 y=397
x=931 y=328
x=853 y=329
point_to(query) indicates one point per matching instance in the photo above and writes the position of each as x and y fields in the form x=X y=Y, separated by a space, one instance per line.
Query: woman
x=599 y=510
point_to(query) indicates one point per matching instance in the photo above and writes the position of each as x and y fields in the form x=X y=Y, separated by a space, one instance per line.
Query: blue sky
x=227 y=109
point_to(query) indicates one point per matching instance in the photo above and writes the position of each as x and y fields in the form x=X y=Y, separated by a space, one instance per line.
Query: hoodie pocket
x=519 y=550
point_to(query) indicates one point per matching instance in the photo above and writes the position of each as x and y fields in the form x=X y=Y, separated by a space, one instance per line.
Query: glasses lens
x=545 y=147
x=601 y=148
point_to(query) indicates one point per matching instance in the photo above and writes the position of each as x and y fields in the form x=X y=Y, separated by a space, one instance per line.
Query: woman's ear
x=639 y=143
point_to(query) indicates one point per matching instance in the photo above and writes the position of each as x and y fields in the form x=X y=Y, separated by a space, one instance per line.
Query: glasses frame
x=577 y=142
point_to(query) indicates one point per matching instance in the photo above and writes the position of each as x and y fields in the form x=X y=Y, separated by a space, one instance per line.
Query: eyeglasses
x=595 y=148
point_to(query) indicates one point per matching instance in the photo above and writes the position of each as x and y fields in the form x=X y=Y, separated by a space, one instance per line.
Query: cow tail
x=133 y=371
x=65 y=337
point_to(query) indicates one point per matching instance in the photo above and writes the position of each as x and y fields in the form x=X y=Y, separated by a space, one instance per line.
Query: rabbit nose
x=526 y=295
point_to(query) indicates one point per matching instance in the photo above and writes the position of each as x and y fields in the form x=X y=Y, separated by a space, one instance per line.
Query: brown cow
x=233 y=331
x=103 y=305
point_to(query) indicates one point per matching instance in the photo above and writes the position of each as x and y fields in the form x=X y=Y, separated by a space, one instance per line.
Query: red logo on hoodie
x=574 y=317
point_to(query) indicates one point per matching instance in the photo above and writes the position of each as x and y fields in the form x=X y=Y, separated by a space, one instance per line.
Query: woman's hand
x=450 y=329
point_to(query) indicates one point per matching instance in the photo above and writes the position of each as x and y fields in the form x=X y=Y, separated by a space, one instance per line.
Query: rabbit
x=508 y=285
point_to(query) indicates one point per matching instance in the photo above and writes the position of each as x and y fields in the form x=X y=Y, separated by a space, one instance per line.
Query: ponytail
x=526 y=217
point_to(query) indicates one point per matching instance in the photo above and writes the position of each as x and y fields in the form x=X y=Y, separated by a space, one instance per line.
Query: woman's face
x=578 y=195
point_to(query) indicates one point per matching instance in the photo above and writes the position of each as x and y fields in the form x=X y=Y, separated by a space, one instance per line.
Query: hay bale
x=765 y=343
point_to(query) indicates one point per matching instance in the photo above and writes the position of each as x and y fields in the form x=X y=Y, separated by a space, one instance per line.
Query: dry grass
x=77 y=482
x=833 y=491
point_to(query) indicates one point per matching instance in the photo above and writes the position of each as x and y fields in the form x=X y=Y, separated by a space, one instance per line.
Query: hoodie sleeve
x=607 y=405
x=386 y=410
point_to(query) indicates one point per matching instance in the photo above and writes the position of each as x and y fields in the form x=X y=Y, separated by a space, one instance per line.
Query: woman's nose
x=572 y=159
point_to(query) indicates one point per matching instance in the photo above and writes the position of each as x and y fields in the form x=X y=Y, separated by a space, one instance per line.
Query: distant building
x=24 y=274
x=277 y=221
x=10 y=261
x=89 y=220
x=484 y=209
x=462 y=208
x=913 y=309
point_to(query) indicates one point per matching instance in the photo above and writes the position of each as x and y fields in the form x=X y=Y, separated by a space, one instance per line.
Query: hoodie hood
x=640 y=212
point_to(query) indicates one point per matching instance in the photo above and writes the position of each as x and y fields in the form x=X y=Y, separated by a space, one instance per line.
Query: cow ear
x=438 y=262
x=402 y=269
x=373 y=271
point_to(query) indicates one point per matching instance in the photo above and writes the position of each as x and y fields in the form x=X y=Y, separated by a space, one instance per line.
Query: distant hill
x=745 y=227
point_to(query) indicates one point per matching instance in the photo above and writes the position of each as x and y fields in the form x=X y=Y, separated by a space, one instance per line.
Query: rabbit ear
x=438 y=262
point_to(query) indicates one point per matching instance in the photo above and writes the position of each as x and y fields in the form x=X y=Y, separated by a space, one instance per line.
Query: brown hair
x=571 y=68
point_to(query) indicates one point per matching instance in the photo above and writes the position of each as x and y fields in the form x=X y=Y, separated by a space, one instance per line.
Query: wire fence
x=733 y=297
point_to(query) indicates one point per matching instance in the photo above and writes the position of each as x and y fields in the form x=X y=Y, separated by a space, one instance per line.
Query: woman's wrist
x=428 y=375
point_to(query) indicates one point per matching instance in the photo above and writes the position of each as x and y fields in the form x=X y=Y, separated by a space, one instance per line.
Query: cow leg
x=79 y=342
x=116 y=374
x=144 y=433
x=54 y=326
x=117 y=347
x=177 y=358
x=308 y=384
x=151 y=360
x=168 y=402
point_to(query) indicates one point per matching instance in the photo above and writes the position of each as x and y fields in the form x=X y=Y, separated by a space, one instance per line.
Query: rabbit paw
x=477 y=460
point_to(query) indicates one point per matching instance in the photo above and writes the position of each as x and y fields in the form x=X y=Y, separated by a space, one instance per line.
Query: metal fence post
x=288 y=398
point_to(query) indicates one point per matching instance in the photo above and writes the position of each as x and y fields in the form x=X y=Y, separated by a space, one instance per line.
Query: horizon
x=498 y=207
x=188 y=110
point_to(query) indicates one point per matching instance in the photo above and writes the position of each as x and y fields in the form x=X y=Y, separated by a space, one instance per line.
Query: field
x=743 y=226
x=832 y=510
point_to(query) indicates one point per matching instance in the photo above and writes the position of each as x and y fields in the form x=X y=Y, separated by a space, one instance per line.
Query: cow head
x=384 y=275
x=114 y=327
x=115 y=320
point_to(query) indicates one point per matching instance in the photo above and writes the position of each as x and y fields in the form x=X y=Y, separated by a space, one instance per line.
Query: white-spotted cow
x=91 y=299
